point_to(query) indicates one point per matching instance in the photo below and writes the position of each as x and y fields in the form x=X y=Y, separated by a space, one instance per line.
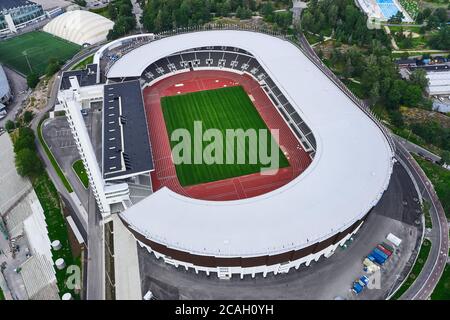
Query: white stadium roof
x=80 y=27
x=347 y=177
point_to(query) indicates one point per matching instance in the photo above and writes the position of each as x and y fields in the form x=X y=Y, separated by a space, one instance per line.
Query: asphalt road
x=414 y=148
x=425 y=283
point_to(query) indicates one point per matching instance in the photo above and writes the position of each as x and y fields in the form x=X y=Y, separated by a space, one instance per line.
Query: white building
x=120 y=161
x=17 y=14
x=439 y=83
x=80 y=27
x=5 y=90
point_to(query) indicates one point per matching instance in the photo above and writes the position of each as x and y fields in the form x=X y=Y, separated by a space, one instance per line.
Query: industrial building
x=439 y=82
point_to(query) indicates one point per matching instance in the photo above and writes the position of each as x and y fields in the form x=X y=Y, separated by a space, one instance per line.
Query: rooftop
x=10 y=4
x=349 y=174
x=4 y=84
x=86 y=77
x=126 y=144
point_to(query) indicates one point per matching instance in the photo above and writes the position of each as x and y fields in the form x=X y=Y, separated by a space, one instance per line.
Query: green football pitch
x=222 y=109
x=38 y=47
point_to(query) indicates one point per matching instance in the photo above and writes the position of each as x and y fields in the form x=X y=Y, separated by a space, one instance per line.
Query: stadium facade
x=308 y=217
x=17 y=14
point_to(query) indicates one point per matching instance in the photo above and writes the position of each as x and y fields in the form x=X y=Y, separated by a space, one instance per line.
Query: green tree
x=445 y=157
x=441 y=15
x=81 y=3
x=441 y=40
x=419 y=77
x=25 y=139
x=374 y=94
x=394 y=95
x=412 y=95
x=28 y=163
x=348 y=69
x=52 y=67
x=32 y=80
x=27 y=116
x=267 y=10
x=10 y=125
x=396 y=119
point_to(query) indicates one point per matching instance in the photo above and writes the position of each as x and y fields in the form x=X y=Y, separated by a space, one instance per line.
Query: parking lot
x=57 y=135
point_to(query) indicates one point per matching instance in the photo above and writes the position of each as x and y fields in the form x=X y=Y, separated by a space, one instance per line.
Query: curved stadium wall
x=276 y=261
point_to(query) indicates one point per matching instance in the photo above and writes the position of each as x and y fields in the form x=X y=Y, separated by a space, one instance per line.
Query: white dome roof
x=80 y=27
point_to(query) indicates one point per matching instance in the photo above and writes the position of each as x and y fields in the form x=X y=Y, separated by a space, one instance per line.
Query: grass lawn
x=222 y=109
x=39 y=47
x=57 y=230
x=421 y=259
x=312 y=38
x=2 y=296
x=83 y=63
x=52 y=158
x=79 y=169
x=102 y=11
x=440 y=178
x=426 y=211
x=356 y=88
x=405 y=27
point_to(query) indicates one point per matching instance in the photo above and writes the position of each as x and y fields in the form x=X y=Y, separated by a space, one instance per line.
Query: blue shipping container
x=381 y=253
x=357 y=287
x=378 y=259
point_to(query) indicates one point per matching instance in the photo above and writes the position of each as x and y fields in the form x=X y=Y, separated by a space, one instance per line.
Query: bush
x=81 y=3
x=10 y=125
x=25 y=140
x=32 y=80
x=52 y=67
x=27 y=116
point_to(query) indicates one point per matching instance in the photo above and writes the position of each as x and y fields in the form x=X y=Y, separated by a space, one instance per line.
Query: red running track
x=228 y=189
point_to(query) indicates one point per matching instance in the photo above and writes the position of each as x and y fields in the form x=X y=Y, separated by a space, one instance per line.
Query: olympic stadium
x=337 y=158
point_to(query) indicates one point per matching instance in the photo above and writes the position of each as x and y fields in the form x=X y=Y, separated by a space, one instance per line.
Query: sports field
x=222 y=109
x=39 y=47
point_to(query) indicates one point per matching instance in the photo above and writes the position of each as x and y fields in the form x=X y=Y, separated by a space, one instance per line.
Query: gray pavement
x=96 y=254
x=431 y=272
x=19 y=89
x=138 y=13
x=11 y=260
x=414 y=148
x=326 y=279
x=57 y=135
